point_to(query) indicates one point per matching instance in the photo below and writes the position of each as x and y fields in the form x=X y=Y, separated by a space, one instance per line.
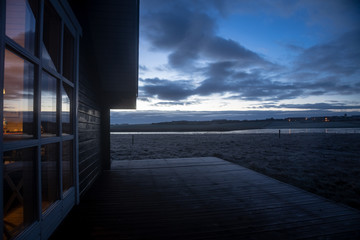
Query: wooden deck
x=202 y=198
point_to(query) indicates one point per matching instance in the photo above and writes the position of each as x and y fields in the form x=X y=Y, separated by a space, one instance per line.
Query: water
x=262 y=131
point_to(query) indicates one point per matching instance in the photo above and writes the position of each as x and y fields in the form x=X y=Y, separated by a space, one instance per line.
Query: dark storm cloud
x=326 y=68
x=221 y=77
x=165 y=89
x=191 y=35
x=226 y=49
x=251 y=85
x=187 y=31
x=143 y=68
x=339 y=57
x=180 y=31
x=143 y=99
x=331 y=68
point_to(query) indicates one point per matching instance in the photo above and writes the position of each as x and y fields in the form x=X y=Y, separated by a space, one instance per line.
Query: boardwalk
x=202 y=198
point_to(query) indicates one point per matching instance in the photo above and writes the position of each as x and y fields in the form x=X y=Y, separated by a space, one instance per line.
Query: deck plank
x=202 y=198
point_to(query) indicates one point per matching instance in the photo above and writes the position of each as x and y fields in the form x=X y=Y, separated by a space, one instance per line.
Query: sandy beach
x=325 y=164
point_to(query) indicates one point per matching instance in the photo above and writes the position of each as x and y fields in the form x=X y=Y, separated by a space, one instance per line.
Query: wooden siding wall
x=89 y=126
x=108 y=71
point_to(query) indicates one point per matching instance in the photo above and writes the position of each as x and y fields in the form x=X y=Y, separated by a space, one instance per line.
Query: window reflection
x=67 y=165
x=66 y=93
x=51 y=37
x=49 y=175
x=68 y=55
x=21 y=22
x=18 y=98
x=19 y=190
x=48 y=106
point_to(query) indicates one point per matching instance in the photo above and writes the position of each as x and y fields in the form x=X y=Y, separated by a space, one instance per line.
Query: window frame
x=71 y=196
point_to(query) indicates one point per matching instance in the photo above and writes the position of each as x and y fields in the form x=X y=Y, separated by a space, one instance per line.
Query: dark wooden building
x=63 y=66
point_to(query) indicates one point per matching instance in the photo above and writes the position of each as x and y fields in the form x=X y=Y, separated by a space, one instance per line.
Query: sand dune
x=325 y=164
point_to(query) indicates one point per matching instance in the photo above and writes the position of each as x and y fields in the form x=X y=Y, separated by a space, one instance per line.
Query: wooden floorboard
x=202 y=198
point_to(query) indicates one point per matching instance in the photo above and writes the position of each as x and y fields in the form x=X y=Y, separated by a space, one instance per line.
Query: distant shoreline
x=224 y=125
x=282 y=131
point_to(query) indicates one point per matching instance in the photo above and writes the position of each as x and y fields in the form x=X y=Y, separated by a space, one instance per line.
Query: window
x=48 y=106
x=68 y=55
x=39 y=85
x=67 y=165
x=66 y=97
x=19 y=190
x=49 y=174
x=18 y=92
x=51 y=37
x=21 y=19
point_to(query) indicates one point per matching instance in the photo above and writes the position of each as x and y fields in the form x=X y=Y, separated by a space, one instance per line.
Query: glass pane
x=66 y=92
x=19 y=190
x=51 y=37
x=68 y=56
x=67 y=165
x=21 y=18
x=48 y=106
x=18 y=119
x=49 y=174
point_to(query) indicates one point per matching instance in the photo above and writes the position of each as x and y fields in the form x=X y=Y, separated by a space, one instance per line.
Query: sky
x=237 y=59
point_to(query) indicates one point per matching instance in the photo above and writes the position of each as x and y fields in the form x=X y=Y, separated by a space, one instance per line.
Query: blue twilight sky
x=238 y=59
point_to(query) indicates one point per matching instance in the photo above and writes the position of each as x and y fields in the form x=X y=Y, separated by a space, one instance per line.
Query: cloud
x=166 y=89
x=143 y=68
x=218 y=48
x=331 y=14
x=340 y=57
x=246 y=85
x=144 y=99
x=329 y=68
x=316 y=106
x=187 y=31
x=190 y=35
x=176 y=103
x=221 y=77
